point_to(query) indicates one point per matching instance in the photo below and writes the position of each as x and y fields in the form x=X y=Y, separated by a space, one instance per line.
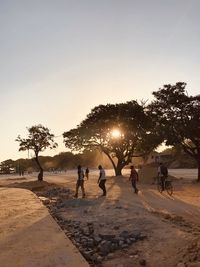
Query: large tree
x=39 y=138
x=177 y=116
x=120 y=131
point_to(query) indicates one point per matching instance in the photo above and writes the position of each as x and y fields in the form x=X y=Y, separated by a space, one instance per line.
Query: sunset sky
x=59 y=59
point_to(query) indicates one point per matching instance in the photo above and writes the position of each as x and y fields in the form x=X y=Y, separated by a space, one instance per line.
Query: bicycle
x=167 y=186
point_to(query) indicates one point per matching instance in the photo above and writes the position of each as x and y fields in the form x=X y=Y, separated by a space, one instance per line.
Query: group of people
x=134 y=178
x=80 y=180
x=101 y=180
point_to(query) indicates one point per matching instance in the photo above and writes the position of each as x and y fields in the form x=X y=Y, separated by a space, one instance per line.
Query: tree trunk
x=120 y=165
x=40 y=175
x=118 y=171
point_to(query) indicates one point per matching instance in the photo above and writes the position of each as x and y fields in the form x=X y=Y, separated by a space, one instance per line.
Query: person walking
x=87 y=173
x=134 y=178
x=102 y=179
x=162 y=174
x=80 y=182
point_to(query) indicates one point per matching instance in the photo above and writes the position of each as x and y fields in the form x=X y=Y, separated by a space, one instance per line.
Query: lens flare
x=116 y=133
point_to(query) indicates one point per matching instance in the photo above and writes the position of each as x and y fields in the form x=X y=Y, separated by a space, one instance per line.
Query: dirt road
x=169 y=224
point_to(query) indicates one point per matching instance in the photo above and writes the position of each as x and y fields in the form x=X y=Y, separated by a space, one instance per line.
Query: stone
x=124 y=234
x=44 y=200
x=107 y=237
x=97 y=240
x=121 y=243
x=88 y=254
x=110 y=256
x=194 y=264
x=99 y=259
x=142 y=262
x=180 y=264
x=104 y=248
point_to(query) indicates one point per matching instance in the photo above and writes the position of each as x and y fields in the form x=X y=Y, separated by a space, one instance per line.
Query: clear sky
x=59 y=59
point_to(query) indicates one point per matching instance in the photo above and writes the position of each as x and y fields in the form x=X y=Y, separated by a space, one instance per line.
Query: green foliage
x=39 y=138
x=177 y=116
x=95 y=131
x=7 y=166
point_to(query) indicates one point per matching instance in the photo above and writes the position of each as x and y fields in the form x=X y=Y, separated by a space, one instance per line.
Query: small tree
x=39 y=138
x=7 y=166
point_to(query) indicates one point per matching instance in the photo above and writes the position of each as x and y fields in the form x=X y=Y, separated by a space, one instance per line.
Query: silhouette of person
x=162 y=174
x=134 y=178
x=87 y=173
x=80 y=182
x=102 y=179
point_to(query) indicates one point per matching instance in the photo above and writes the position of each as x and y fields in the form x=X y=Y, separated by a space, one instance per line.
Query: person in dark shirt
x=80 y=182
x=134 y=178
x=162 y=174
x=87 y=173
x=102 y=179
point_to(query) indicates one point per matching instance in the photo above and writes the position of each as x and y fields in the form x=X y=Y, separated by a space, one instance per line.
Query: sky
x=59 y=59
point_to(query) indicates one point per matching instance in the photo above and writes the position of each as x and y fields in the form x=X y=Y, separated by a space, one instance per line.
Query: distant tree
x=39 y=138
x=121 y=131
x=7 y=166
x=177 y=116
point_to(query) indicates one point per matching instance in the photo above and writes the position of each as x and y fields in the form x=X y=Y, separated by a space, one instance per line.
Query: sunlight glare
x=116 y=133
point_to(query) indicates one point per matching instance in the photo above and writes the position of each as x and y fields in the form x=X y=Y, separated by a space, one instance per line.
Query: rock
x=121 y=243
x=132 y=239
x=142 y=262
x=119 y=207
x=110 y=256
x=180 y=264
x=104 y=248
x=107 y=237
x=128 y=241
x=44 y=200
x=194 y=264
x=88 y=254
x=90 y=224
x=124 y=246
x=85 y=231
x=99 y=259
x=90 y=243
x=124 y=234
x=97 y=240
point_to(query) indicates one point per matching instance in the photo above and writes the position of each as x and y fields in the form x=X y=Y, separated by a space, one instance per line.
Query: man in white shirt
x=102 y=179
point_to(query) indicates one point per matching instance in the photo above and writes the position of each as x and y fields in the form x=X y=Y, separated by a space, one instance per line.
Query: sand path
x=171 y=224
x=29 y=236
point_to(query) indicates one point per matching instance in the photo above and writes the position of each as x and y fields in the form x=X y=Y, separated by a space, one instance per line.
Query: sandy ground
x=170 y=224
x=29 y=236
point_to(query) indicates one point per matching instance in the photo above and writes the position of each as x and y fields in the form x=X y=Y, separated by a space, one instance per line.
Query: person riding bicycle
x=162 y=174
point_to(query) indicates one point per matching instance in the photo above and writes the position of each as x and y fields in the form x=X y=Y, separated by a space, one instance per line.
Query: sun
x=116 y=133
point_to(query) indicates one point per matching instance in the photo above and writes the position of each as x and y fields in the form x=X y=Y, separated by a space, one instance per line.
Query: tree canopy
x=177 y=116
x=121 y=131
x=39 y=138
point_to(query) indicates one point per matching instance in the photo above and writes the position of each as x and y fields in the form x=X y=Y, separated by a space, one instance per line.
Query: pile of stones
x=57 y=192
x=97 y=247
x=93 y=245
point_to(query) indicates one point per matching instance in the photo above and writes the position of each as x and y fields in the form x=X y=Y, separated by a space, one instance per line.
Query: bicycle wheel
x=169 y=188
